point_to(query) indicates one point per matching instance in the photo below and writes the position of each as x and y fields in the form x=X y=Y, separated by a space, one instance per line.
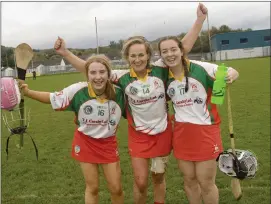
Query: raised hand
x=60 y=47
x=202 y=12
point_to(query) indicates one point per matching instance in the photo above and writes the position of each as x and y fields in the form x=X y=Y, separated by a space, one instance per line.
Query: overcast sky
x=39 y=23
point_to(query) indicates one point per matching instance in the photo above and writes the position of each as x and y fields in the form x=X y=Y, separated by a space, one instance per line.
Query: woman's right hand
x=60 y=47
x=24 y=88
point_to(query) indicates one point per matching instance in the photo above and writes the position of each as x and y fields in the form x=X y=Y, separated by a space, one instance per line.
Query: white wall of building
x=242 y=53
x=62 y=63
x=39 y=69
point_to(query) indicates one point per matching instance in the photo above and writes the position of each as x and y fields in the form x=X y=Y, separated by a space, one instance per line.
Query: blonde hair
x=136 y=40
x=109 y=90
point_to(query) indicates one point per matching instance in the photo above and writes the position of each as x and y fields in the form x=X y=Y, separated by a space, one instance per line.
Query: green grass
x=56 y=178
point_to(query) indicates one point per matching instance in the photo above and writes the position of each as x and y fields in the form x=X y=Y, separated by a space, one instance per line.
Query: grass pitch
x=56 y=178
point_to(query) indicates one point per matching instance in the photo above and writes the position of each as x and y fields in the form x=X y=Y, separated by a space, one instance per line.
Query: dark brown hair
x=109 y=90
x=184 y=62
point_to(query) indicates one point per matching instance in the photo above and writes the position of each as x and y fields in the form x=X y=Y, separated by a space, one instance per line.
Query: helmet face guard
x=10 y=94
x=242 y=165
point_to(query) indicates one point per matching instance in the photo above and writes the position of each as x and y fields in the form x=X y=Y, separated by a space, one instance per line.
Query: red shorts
x=97 y=151
x=142 y=145
x=192 y=142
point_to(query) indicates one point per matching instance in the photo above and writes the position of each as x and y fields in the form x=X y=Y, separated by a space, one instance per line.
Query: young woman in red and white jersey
x=98 y=106
x=196 y=135
x=149 y=131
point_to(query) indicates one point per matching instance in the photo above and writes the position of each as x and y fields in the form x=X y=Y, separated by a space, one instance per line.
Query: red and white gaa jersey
x=195 y=105
x=95 y=118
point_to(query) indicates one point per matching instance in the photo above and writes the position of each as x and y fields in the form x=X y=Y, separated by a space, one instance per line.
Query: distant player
x=34 y=75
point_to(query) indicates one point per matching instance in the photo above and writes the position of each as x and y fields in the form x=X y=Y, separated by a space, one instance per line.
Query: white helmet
x=10 y=94
x=243 y=165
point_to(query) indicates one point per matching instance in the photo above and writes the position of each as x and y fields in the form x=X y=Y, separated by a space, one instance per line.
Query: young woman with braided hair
x=196 y=135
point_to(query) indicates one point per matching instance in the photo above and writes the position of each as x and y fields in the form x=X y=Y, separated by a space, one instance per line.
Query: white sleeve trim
x=61 y=100
x=159 y=63
x=210 y=68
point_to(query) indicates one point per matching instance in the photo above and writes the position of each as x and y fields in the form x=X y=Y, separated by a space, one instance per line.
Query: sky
x=39 y=23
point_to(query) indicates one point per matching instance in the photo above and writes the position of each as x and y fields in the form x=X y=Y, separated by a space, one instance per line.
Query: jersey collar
x=171 y=76
x=93 y=95
x=133 y=74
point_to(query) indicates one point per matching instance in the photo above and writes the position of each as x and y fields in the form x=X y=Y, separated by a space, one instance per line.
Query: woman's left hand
x=231 y=76
x=202 y=12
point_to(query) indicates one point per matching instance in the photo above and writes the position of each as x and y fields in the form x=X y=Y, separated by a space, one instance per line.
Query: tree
x=7 y=57
x=249 y=29
x=205 y=41
x=112 y=44
x=113 y=53
x=181 y=36
x=113 y=50
x=120 y=44
x=224 y=29
x=197 y=46
x=214 y=31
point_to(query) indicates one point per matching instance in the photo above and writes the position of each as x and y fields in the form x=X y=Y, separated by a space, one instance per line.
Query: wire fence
x=122 y=64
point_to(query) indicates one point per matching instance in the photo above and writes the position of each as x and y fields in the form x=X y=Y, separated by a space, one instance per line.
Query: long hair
x=109 y=90
x=184 y=62
x=136 y=40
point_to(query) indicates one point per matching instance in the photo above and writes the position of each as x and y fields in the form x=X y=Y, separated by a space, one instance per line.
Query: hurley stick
x=235 y=183
x=23 y=55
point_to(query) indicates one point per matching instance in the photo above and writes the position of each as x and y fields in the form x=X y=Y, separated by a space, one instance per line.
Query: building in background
x=8 y=72
x=48 y=67
x=238 y=45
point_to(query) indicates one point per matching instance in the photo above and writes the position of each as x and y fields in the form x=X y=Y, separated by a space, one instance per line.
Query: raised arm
x=76 y=62
x=190 y=38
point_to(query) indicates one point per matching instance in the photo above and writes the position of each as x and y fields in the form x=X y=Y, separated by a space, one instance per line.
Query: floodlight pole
x=220 y=50
x=201 y=49
x=7 y=59
x=97 y=36
x=210 y=46
x=14 y=59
